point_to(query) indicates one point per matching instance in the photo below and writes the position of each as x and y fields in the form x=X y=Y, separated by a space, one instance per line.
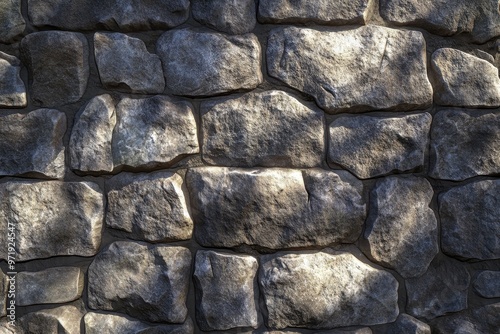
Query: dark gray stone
x=229 y=16
x=487 y=284
x=12 y=89
x=480 y=320
x=12 y=23
x=406 y=324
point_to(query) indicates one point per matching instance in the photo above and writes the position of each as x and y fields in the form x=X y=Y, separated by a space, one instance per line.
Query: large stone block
x=229 y=16
x=480 y=320
x=487 y=284
x=12 y=89
x=12 y=23
x=60 y=320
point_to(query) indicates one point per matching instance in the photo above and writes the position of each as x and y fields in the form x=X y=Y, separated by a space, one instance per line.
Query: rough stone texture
x=125 y=64
x=480 y=18
x=463 y=80
x=12 y=89
x=401 y=230
x=32 y=144
x=4 y=288
x=149 y=207
x=12 y=23
x=232 y=207
x=58 y=63
x=464 y=144
x=487 y=284
x=354 y=70
x=146 y=282
x=125 y=15
x=229 y=16
x=91 y=136
x=6 y=328
x=406 y=324
x=374 y=146
x=470 y=220
x=203 y=63
x=262 y=129
x=51 y=218
x=60 y=320
x=226 y=289
x=363 y=330
x=170 y=126
x=298 y=291
x=478 y=321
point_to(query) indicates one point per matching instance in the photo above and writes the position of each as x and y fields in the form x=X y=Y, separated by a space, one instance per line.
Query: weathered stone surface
x=149 y=207
x=90 y=142
x=406 y=324
x=125 y=15
x=331 y=12
x=125 y=64
x=12 y=89
x=146 y=282
x=229 y=16
x=232 y=207
x=477 y=321
x=32 y=144
x=51 y=218
x=363 y=330
x=60 y=320
x=354 y=70
x=12 y=23
x=298 y=291
x=469 y=220
x=4 y=288
x=203 y=63
x=262 y=129
x=480 y=18
x=442 y=289
x=464 y=144
x=170 y=126
x=226 y=290
x=6 y=328
x=374 y=146
x=401 y=231
x=487 y=284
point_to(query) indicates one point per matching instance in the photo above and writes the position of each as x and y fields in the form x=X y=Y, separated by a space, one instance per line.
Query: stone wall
x=280 y=166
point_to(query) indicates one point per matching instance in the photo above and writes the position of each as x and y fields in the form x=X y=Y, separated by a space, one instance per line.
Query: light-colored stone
x=406 y=324
x=298 y=291
x=373 y=146
x=487 y=284
x=12 y=89
x=362 y=330
x=7 y=328
x=12 y=23
x=60 y=320
x=4 y=288
x=203 y=63
x=229 y=16
x=271 y=129
x=353 y=70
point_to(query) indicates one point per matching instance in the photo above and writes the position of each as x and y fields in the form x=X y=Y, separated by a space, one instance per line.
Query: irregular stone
x=298 y=291
x=487 y=284
x=170 y=126
x=442 y=289
x=469 y=220
x=4 y=288
x=363 y=330
x=401 y=230
x=125 y=64
x=124 y=15
x=480 y=19
x=7 y=328
x=373 y=146
x=477 y=321
x=233 y=207
x=362 y=69
x=90 y=142
x=226 y=291
x=12 y=89
x=61 y=320
x=262 y=129
x=408 y=325
x=12 y=23
x=144 y=281
x=51 y=218
x=58 y=63
x=32 y=144
x=203 y=63
x=464 y=144
x=149 y=207
x=331 y=12
x=229 y=16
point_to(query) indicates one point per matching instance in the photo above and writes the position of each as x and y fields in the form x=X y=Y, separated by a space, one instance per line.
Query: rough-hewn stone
x=229 y=16
x=51 y=218
x=61 y=320
x=4 y=288
x=262 y=129
x=202 y=63
x=406 y=324
x=470 y=220
x=464 y=144
x=32 y=144
x=363 y=330
x=487 y=284
x=298 y=291
x=146 y=282
x=354 y=70
x=58 y=63
x=12 y=23
x=274 y=208
x=373 y=146
x=477 y=321
x=12 y=89
x=6 y=328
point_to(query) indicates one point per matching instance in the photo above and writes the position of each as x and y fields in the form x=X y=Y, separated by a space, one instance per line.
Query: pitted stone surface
x=32 y=144
x=477 y=321
x=373 y=146
x=233 y=207
x=146 y=282
x=204 y=63
x=4 y=288
x=51 y=218
x=406 y=324
x=58 y=63
x=12 y=23
x=229 y=16
x=61 y=320
x=487 y=284
x=464 y=144
x=298 y=291
x=354 y=70
x=12 y=89
x=470 y=220
x=262 y=129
